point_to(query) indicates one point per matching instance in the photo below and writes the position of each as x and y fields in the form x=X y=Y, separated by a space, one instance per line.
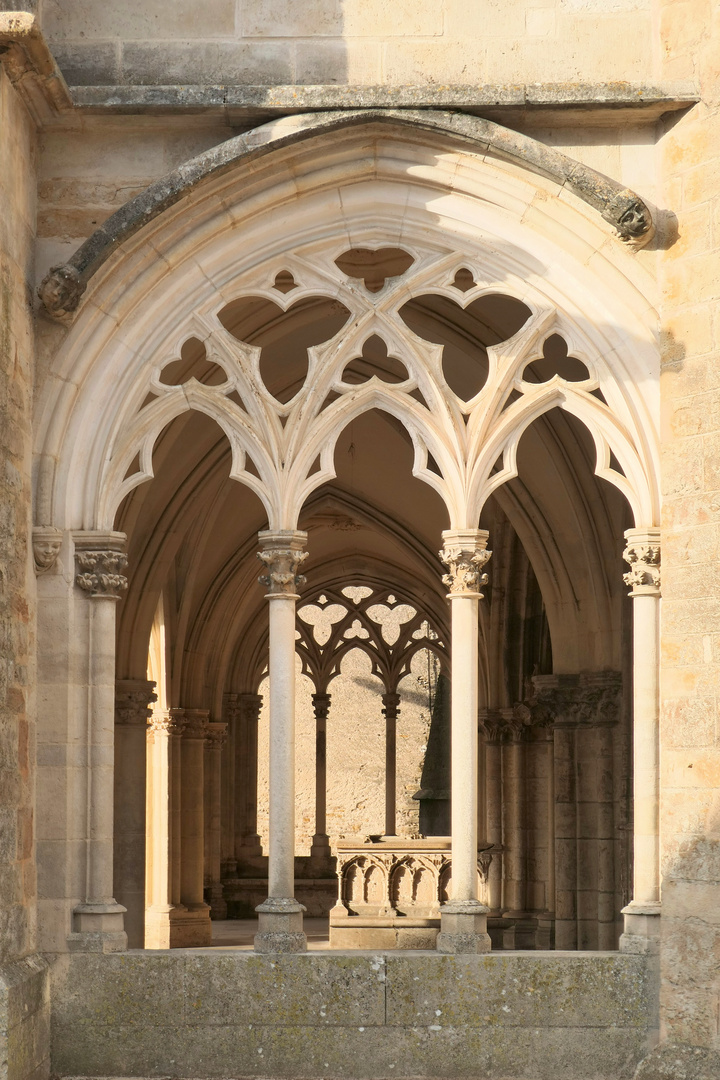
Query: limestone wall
x=17 y=586
x=552 y=1017
x=690 y=672
x=24 y=987
x=350 y=41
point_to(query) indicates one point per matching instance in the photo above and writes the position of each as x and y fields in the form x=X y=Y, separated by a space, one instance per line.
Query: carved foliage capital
x=642 y=553
x=133 y=702
x=169 y=722
x=465 y=554
x=216 y=736
x=282 y=554
x=100 y=572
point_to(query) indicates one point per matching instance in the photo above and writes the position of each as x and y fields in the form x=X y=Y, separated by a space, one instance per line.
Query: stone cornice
x=646 y=102
x=63 y=287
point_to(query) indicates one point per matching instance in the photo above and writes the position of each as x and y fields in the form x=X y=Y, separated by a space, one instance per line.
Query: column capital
x=100 y=560
x=282 y=554
x=391 y=706
x=642 y=552
x=216 y=736
x=465 y=553
x=321 y=705
x=133 y=700
x=169 y=722
x=197 y=722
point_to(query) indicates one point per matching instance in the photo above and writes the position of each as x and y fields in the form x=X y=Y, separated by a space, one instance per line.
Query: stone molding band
x=63 y=287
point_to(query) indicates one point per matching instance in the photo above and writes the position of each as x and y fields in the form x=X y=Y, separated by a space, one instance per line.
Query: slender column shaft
x=193 y=836
x=463 y=753
x=565 y=837
x=214 y=742
x=646 y=878
x=229 y=791
x=464 y=918
x=514 y=862
x=132 y=712
x=100 y=575
x=163 y=827
x=391 y=708
x=247 y=841
x=176 y=808
x=281 y=862
x=643 y=555
x=321 y=706
x=280 y=922
x=493 y=796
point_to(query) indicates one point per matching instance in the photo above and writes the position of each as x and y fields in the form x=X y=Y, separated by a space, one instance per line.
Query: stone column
x=215 y=737
x=98 y=923
x=513 y=788
x=163 y=917
x=192 y=849
x=228 y=860
x=132 y=713
x=463 y=918
x=247 y=840
x=493 y=814
x=280 y=916
x=391 y=708
x=642 y=929
x=320 y=850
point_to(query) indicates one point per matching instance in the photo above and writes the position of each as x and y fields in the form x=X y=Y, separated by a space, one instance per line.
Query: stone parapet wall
x=558 y=1017
x=25 y=1019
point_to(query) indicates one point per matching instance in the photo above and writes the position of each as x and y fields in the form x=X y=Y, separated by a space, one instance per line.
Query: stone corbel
x=47 y=542
x=30 y=66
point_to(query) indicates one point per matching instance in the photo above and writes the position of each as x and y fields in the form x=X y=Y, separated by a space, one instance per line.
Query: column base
x=642 y=928
x=98 y=927
x=216 y=900
x=320 y=852
x=280 y=926
x=251 y=847
x=463 y=927
x=178 y=927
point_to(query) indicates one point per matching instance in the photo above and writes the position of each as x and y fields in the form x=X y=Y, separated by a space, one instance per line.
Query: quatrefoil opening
x=374 y=361
x=284 y=336
x=555 y=361
x=465 y=333
x=374 y=268
x=193 y=364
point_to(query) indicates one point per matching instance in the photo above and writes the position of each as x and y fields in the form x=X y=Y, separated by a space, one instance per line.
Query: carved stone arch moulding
x=283 y=450
x=62 y=289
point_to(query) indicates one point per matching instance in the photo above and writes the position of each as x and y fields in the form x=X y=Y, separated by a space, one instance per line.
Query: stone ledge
x=598 y=102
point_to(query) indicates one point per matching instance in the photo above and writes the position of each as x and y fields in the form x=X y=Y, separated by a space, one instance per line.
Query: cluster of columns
x=183 y=810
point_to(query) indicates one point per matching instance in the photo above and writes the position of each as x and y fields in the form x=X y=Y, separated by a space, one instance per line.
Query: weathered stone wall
x=24 y=986
x=690 y=673
x=350 y=41
x=552 y=1017
x=17 y=740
